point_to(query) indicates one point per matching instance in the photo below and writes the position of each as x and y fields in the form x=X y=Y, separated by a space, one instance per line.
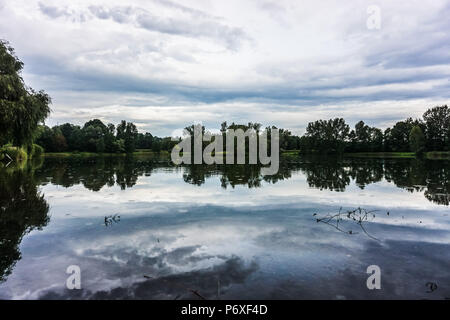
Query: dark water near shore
x=141 y=228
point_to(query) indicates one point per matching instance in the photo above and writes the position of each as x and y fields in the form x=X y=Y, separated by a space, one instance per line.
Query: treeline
x=95 y=136
x=431 y=133
x=334 y=136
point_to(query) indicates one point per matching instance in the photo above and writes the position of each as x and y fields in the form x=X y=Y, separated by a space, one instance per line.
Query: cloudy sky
x=165 y=64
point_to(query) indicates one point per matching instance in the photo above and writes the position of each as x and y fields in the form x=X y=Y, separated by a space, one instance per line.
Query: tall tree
x=397 y=137
x=131 y=134
x=437 y=122
x=21 y=108
x=416 y=140
x=365 y=138
x=328 y=136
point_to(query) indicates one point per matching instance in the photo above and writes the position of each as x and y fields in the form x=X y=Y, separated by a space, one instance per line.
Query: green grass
x=80 y=154
x=433 y=155
x=290 y=152
x=408 y=155
x=438 y=155
x=95 y=154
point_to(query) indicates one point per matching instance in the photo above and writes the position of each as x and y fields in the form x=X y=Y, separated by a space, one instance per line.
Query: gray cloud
x=57 y=12
x=288 y=58
x=306 y=92
x=426 y=45
x=194 y=23
x=53 y=12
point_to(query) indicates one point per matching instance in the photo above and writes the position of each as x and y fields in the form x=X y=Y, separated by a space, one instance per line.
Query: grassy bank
x=433 y=155
x=438 y=155
x=95 y=154
x=80 y=154
x=137 y=152
x=408 y=155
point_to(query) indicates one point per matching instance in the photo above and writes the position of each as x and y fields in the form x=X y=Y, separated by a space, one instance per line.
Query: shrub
x=15 y=153
x=36 y=150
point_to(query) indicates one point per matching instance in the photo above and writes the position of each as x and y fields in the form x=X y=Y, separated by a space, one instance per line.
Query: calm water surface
x=140 y=228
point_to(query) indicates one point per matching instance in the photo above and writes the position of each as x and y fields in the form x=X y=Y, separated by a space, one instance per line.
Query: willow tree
x=21 y=108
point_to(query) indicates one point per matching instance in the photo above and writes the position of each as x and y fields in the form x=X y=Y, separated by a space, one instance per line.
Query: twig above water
x=359 y=216
x=109 y=220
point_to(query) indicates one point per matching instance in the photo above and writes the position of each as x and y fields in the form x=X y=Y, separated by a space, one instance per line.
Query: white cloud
x=168 y=63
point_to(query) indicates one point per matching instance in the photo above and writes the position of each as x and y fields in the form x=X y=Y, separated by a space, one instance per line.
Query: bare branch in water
x=197 y=294
x=359 y=216
x=109 y=220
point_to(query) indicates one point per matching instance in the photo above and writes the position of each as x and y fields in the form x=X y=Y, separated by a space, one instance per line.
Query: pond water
x=141 y=228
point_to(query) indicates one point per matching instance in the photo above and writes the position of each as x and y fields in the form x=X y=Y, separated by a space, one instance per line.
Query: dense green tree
x=328 y=136
x=21 y=108
x=97 y=136
x=156 y=146
x=96 y=123
x=144 y=141
x=376 y=140
x=437 y=122
x=119 y=146
x=59 y=141
x=73 y=136
x=305 y=144
x=120 y=130
x=100 y=145
x=44 y=138
x=285 y=139
x=94 y=136
x=365 y=139
x=91 y=135
x=397 y=137
x=109 y=139
x=416 y=140
x=130 y=137
x=223 y=127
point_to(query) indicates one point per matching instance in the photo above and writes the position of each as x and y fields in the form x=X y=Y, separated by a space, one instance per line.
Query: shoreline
x=432 y=155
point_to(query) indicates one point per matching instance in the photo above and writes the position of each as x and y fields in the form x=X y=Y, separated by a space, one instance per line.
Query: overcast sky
x=165 y=64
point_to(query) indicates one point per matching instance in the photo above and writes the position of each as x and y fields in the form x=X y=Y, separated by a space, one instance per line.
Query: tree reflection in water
x=22 y=209
x=335 y=174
